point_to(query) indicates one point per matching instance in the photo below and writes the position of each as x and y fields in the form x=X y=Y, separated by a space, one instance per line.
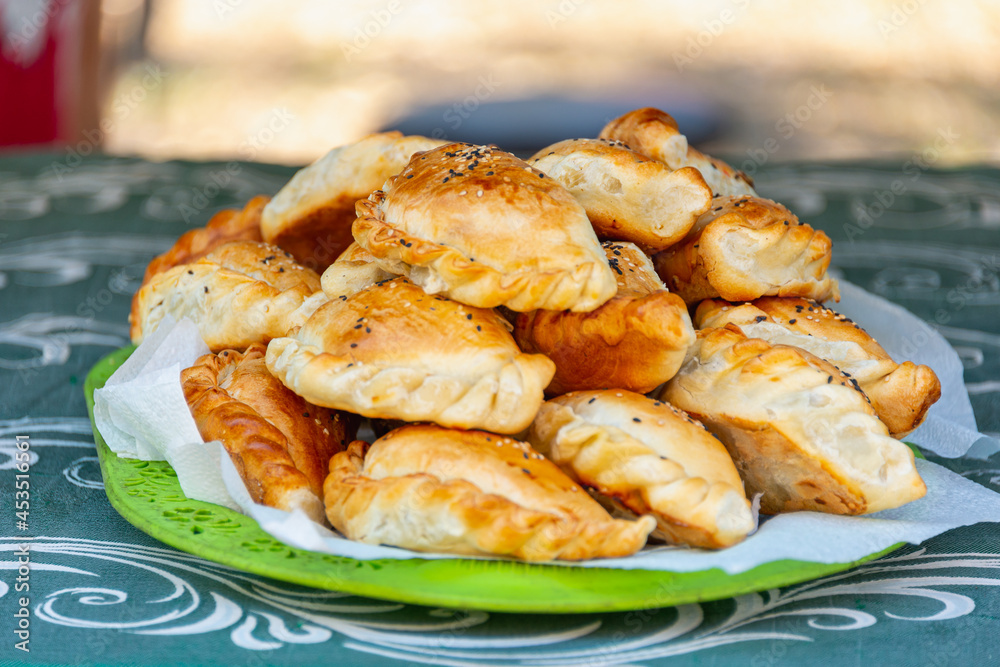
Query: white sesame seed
x=479 y=194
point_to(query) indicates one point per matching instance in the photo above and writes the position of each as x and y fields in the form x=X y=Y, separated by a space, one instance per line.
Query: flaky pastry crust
x=745 y=248
x=635 y=341
x=353 y=271
x=280 y=444
x=311 y=216
x=480 y=226
x=225 y=226
x=798 y=430
x=901 y=394
x=627 y=196
x=428 y=488
x=395 y=352
x=654 y=133
x=239 y=294
x=650 y=458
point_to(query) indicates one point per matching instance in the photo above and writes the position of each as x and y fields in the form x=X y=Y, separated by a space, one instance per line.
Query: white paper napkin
x=142 y=414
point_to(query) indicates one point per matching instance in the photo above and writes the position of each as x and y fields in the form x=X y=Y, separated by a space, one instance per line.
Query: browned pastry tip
x=280 y=444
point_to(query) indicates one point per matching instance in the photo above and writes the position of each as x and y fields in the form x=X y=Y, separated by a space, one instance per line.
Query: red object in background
x=43 y=90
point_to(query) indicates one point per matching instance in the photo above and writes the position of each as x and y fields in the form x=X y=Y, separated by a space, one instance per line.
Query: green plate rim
x=488 y=585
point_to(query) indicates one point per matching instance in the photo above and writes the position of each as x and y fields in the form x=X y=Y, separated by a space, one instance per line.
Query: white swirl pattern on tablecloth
x=269 y=615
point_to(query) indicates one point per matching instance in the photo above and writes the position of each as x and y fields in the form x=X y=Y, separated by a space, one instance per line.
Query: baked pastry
x=428 y=488
x=395 y=352
x=900 y=393
x=311 y=216
x=480 y=226
x=647 y=457
x=225 y=226
x=747 y=247
x=796 y=427
x=627 y=196
x=239 y=294
x=280 y=444
x=654 y=133
x=353 y=271
x=635 y=341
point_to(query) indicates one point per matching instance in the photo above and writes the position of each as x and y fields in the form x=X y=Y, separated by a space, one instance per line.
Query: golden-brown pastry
x=627 y=196
x=654 y=133
x=280 y=444
x=311 y=216
x=239 y=294
x=428 y=488
x=636 y=341
x=353 y=271
x=395 y=352
x=798 y=430
x=650 y=458
x=747 y=247
x=900 y=393
x=480 y=226
x=224 y=227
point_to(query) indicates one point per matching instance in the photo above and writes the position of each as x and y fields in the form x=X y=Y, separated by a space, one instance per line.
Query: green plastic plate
x=147 y=495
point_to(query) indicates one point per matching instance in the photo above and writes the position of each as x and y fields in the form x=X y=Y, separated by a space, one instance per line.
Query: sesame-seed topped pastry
x=225 y=226
x=654 y=133
x=637 y=340
x=900 y=393
x=480 y=226
x=311 y=216
x=392 y=351
x=241 y=293
x=745 y=248
x=353 y=271
x=280 y=444
x=428 y=488
x=796 y=427
x=647 y=457
x=627 y=196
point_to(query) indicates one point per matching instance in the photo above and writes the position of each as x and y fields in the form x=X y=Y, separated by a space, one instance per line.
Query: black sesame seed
x=636 y=420
x=592 y=400
x=354 y=344
x=206 y=289
x=190 y=272
x=469 y=316
x=305 y=414
x=760 y=318
x=792 y=321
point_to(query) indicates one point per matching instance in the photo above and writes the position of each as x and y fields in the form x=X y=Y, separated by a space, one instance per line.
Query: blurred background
x=756 y=81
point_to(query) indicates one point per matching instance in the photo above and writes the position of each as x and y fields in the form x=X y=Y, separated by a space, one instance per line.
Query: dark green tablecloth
x=74 y=240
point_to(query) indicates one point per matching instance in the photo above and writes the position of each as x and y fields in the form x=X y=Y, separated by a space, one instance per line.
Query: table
x=75 y=236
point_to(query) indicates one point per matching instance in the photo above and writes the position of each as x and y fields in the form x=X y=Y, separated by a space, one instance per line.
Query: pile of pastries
x=612 y=342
